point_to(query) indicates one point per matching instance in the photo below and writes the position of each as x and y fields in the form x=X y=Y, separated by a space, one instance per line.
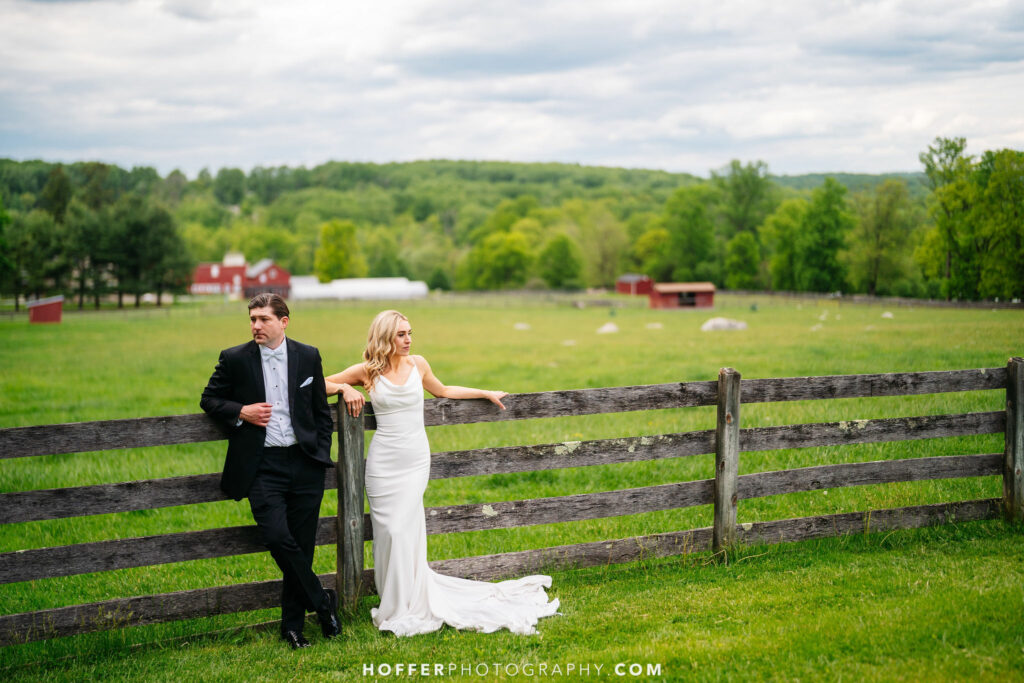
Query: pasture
x=941 y=603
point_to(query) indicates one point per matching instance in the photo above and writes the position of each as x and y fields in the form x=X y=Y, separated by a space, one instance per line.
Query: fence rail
x=78 y=437
x=351 y=528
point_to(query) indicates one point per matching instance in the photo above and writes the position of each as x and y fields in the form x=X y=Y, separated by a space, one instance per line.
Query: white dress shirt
x=275 y=381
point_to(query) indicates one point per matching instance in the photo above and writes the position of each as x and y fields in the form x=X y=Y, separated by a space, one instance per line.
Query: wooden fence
x=351 y=528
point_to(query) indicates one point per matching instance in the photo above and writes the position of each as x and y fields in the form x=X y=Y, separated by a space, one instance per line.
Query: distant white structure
x=722 y=324
x=365 y=288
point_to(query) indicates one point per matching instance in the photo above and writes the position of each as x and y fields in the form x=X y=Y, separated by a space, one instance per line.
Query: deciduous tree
x=338 y=254
x=229 y=186
x=742 y=262
x=747 y=195
x=999 y=216
x=878 y=253
x=691 y=233
x=560 y=263
x=779 y=237
x=822 y=236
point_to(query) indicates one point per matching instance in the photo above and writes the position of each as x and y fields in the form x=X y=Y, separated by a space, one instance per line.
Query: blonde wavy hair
x=380 y=344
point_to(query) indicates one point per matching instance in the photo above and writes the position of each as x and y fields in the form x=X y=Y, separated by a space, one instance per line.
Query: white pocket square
x=309 y=380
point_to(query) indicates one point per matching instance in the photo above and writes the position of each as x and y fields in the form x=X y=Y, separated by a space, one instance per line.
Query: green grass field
x=939 y=603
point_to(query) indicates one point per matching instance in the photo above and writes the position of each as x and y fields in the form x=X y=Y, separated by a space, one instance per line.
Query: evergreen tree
x=7 y=268
x=143 y=245
x=56 y=195
x=84 y=239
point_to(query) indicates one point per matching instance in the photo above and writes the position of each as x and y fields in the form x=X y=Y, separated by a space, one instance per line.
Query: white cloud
x=806 y=86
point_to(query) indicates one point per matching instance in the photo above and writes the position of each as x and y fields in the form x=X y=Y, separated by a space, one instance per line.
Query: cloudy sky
x=805 y=85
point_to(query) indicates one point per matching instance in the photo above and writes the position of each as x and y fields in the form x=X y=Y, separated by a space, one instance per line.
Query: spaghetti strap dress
x=415 y=599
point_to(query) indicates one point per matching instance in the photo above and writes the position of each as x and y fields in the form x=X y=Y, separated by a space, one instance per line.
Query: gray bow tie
x=279 y=353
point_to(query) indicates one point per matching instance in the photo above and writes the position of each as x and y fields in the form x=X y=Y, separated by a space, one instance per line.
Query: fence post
x=350 y=507
x=727 y=459
x=1013 y=465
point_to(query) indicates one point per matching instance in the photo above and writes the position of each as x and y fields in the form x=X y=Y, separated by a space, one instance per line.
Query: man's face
x=267 y=329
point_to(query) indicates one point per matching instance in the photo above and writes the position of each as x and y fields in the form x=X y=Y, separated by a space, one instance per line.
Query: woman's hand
x=495 y=397
x=353 y=399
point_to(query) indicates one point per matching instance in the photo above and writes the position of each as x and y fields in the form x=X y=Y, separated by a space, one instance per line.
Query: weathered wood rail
x=351 y=528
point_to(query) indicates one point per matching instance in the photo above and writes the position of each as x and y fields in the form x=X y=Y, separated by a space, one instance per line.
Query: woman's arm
x=343 y=383
x=432 y=384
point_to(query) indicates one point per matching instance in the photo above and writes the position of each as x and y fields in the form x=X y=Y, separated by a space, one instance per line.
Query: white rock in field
x=654 y=326
x=722 y=324
x=568 y=342
x=824 y=316
x=887 y=315
x=608 y=328
x=521 y=326
x=817 y=327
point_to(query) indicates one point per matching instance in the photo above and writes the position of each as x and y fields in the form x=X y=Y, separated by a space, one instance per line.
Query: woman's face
x=403 y=338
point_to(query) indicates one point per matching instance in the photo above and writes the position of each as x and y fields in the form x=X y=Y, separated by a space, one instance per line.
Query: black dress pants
x=285 y=501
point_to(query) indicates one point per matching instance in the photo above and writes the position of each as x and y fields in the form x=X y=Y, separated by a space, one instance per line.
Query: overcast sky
x=807 y=86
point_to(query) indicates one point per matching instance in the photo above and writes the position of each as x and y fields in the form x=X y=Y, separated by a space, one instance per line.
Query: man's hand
x=353 y=400
x=256 y=413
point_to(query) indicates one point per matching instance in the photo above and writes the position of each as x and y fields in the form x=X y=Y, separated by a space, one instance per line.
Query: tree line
x=87 y=230
x=953 y=230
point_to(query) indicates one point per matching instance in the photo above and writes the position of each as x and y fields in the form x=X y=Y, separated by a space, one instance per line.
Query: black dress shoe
x=329 y=623
x=295 y=639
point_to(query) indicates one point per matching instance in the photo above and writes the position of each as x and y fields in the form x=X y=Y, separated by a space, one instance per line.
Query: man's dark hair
x=274 y=301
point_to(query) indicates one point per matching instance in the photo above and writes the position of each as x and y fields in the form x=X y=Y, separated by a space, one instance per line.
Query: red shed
x=45 y=310
x=631 y=283
x=683 y=295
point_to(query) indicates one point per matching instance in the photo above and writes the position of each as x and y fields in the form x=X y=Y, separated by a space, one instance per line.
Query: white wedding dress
x=413 y=598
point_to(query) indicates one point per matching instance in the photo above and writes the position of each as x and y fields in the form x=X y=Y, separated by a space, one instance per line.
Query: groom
x=270 y=393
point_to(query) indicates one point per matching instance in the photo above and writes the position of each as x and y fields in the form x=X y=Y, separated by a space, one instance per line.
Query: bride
x=413 y=598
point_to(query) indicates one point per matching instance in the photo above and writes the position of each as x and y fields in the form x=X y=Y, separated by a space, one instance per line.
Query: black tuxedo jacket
x=238 y=380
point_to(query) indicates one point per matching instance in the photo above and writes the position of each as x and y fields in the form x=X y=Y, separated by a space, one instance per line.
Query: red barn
x=45 y=310
x=631 y=283
x=683 y=295
x=265 y=276
x=234 y=277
